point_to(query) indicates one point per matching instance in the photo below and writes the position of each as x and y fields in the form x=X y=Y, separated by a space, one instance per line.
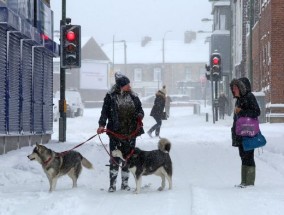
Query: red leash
x=61 y=154
x=65 y=152
x=119 y=136
x=112 y=158
x=124 y=137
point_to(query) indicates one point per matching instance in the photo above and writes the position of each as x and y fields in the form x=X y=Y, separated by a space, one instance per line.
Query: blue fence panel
x=26 y=76
x=38 y=71
x=48 y=93
x=14 y=60
x=3 y=78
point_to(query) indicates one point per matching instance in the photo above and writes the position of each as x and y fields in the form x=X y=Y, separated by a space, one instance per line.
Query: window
x=56 y=67
x=137 y=75
x=187 y=74
x=157 y=74
x=222 y=22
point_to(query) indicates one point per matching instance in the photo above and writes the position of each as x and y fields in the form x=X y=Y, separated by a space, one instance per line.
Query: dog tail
x=87 y=163
x=164 y=145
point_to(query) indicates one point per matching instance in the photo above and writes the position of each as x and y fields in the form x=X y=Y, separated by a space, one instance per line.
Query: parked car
x=75 y=106
x=56 y=114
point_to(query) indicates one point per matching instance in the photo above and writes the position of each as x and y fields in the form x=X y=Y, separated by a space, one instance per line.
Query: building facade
x=26 y=72
x=257 y=52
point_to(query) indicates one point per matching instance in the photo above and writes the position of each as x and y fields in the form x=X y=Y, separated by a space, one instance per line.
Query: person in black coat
x=121 y=113
x=157 y=112
x=246 y=106
x=222 y=102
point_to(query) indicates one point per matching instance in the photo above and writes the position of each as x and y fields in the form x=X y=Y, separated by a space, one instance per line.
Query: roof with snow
x=197 y=51
x=175 y=52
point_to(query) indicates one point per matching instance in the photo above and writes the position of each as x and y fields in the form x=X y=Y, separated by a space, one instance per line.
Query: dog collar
x=47 y=161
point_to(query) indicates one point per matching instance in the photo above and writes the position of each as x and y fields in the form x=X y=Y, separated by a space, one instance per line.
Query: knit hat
x=121 y=80
x=163 y=90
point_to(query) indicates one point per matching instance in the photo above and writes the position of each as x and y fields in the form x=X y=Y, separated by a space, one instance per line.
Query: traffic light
x=70 y=46
x=216 y=68
x=207 y=73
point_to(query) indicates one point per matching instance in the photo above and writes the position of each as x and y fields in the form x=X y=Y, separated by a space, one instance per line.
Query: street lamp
x=125 y=54
x=163 y=52
x=204 y=32
x=206 y=20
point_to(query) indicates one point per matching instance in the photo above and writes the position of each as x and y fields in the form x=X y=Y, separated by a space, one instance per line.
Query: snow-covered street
x=206 y=168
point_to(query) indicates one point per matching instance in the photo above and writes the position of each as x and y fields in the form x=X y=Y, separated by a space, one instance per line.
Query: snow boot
x=149 y=133
x=243 y=177
x=124 y=179
x=113 y=172
x=250 y=175
x=157 y=132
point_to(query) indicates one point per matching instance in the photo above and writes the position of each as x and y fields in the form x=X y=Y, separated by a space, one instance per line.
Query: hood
x=243 y=84
x=161 y=93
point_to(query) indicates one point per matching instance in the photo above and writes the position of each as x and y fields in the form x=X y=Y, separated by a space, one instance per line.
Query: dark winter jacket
x=159 y=105
x=223 y=101
x=248 y=104
x=127 y=123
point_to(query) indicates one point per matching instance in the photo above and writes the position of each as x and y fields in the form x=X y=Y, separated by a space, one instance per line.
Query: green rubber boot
x=243 y=177
x=250 y=175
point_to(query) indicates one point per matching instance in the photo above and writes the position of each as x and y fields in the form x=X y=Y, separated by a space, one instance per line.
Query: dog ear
x=37 y=144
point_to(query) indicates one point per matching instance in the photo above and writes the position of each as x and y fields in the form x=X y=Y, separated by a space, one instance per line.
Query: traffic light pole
x=62 y=101
x=212 y=95
x=216 y=101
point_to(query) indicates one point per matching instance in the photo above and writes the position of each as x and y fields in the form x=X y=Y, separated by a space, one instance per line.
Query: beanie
x=163 y=90
x=121 y=80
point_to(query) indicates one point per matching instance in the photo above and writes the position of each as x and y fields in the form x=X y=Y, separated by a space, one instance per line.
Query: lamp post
x=202 y=32
x=62 y=101
x=206 y=20
x=163 y=54
x=125 y=54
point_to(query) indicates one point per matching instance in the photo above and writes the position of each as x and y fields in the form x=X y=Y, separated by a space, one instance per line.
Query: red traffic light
x=216 y=61
x=70 y=36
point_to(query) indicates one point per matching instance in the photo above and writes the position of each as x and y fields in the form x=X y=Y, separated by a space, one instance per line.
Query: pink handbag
x=247 y=126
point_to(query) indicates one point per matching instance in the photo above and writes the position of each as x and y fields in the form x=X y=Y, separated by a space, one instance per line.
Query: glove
x=100 y=130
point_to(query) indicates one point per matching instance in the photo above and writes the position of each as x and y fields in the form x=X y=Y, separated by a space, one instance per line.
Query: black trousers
x=157 y=126
x=247 y=157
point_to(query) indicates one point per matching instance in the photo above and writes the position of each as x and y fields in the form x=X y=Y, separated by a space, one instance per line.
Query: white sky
x=206 y=168
x=132 y=20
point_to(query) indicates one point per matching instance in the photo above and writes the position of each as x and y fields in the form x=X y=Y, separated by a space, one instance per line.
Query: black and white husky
x=55 y=164
x=141 y=162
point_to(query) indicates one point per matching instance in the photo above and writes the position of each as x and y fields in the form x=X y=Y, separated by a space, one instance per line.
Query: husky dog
x=141 y=162
x=55 y=164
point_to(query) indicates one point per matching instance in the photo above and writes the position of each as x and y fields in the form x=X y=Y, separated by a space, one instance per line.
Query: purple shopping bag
x=247 y=126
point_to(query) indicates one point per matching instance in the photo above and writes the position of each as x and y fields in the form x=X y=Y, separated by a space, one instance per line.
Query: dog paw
x=160 y=189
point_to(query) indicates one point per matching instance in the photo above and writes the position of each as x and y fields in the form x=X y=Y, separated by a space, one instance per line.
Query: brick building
x=258 y=51
x=268 y=57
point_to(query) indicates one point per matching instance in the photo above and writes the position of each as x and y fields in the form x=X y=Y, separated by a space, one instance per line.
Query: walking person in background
x=121 y=112
x=157 y=111
x=223 y=102
x=245 y=106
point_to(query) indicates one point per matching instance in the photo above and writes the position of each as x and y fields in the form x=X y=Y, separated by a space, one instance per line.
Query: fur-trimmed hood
x=116 y=89
x=243 y=84
x=161 y=93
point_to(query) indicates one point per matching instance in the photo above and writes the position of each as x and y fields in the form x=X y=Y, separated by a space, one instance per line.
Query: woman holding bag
x=245 y=106
x=157 y=112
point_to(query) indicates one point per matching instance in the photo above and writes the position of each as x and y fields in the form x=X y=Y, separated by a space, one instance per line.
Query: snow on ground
x=206 y=168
